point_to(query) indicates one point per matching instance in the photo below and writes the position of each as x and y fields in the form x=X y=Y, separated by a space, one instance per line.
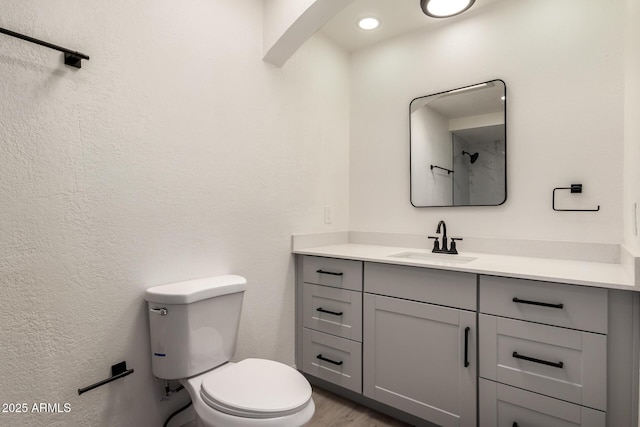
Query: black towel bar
x=449 y=171
x=119 y=370
x=71 y=58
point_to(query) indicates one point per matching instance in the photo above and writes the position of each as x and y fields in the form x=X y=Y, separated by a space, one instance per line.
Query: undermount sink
x=435 y=258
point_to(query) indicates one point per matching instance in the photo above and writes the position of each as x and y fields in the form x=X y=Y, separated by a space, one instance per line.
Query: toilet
x=194 y=329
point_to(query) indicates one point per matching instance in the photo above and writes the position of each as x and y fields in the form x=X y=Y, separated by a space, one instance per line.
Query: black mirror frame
x=505 y=148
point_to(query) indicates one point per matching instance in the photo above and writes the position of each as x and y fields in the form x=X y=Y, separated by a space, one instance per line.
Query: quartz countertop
x=586 y=273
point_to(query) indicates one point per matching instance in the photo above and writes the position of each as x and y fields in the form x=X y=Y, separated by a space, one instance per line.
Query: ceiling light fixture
x=445 y=8
x=368 y=23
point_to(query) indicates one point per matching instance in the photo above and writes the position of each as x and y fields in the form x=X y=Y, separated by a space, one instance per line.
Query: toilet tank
x=194 y=324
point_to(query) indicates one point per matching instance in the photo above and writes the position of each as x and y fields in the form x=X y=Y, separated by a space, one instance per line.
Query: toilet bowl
x=251 y=393
x=193 y=330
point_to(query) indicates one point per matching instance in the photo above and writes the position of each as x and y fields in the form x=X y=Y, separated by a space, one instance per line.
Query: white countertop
x=597 y=274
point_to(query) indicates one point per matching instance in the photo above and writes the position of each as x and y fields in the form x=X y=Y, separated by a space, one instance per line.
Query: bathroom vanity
x=459 y=342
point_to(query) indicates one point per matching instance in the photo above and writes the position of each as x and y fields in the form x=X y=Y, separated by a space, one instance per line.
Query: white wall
x=431 y=141
x=563 y=64
x=278 y=17
x=632 y=126
x=174 y=153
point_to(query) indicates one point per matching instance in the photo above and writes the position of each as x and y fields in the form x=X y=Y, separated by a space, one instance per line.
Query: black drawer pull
x=515 y=424
x=321 y=357
x=543 y=304
x=466 y=346
x=329 y=272
x=335 y=313
x=533 y=359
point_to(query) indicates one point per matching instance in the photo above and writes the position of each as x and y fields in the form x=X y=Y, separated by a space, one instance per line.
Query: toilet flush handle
x=160 y=311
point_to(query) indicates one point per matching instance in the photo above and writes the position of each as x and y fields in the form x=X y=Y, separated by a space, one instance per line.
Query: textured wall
x=563 y=64
x=174 y=153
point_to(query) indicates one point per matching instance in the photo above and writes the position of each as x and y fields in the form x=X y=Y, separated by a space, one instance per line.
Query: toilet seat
x=255 y=388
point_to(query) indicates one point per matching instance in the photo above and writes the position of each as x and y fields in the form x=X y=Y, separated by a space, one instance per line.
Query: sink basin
x=443 y=259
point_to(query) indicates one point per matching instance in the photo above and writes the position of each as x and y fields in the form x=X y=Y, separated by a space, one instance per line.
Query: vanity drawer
x=562 y=363
x=504 y=406
x=339 y=273
x=332 y=310
x=570 y=306
x=333 y=359
x=441 y=287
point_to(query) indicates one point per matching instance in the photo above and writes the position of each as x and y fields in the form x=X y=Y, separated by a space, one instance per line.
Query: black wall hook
x=575 y=189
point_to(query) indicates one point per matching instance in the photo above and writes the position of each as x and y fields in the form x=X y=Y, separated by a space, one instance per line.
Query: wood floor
x=335 y=411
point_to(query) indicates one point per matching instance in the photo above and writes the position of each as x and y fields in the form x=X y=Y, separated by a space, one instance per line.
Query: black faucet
x=444 y=249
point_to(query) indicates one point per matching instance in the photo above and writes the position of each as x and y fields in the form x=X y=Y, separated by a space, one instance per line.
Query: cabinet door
x=504 y=406
x=338 y=273
x=421 y=359
x=334 y=311
x=333 y=359
x=558 y=362
x=575 y=307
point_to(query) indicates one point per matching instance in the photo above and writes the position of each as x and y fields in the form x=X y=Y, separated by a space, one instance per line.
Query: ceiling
x=396 y=17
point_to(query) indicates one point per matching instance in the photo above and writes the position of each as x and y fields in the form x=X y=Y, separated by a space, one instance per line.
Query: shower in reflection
x=473 y=156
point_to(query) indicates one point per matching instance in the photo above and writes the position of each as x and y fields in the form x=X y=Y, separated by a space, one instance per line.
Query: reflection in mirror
x=458 y=147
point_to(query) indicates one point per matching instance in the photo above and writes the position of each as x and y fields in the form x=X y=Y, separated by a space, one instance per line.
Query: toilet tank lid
x=190 y=291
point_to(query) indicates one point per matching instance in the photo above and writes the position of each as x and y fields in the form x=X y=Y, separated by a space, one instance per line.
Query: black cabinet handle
x=543 y=362
x=515 y=424
x=335 y=313
x=329 y=272
x=321 y=357
x=466 y=346
x=543 y=304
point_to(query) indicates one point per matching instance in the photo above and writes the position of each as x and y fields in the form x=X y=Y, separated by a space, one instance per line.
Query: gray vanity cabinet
x=505 y=406
x=543 y=354
x=332 y=320
x=418 y=356
x=456 y=349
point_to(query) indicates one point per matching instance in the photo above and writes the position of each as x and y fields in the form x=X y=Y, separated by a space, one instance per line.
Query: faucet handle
x=453 y=250
x=436 y=244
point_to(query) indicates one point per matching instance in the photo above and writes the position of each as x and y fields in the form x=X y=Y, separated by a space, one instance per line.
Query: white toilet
x=194 y=327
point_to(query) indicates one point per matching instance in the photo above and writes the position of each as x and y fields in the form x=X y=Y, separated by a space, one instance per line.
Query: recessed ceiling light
x=445 y=8
x=368 y=23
